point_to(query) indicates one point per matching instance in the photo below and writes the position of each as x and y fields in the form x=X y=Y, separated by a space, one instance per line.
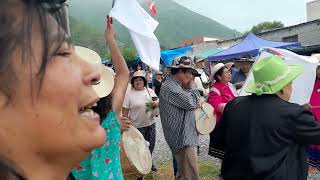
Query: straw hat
x=159 y=73
x=185 y=63
x=140 y=74
x=88 y=55
x=198 y=58
x=105 y=86
x=245 y=60
x=217 y=67
x=271 y=74
x=316 y=57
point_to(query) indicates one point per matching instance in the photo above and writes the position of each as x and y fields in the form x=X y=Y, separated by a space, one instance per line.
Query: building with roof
x=313 y=10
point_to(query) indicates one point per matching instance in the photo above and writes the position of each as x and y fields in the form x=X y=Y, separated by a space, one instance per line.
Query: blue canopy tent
x=167 y=56
x=250 y=47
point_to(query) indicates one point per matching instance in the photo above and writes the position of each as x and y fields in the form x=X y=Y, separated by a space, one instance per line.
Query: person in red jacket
x=220 y=94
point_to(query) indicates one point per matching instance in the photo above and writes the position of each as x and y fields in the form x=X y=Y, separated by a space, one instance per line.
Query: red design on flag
x=106 y=160
x=79 y=167
x=152 y=7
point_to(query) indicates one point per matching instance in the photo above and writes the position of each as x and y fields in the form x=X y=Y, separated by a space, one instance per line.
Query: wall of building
x=306 y=33
x=313 y=10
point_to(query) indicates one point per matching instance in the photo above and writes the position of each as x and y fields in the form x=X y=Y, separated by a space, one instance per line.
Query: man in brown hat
x=178 y=100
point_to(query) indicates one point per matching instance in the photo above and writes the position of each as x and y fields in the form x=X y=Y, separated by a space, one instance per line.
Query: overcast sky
x=243 y=14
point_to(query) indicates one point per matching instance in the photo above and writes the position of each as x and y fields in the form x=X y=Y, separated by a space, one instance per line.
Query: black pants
x=149 y=134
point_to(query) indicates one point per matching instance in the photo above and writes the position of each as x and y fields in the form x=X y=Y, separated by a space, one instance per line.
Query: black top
x=265 y=138
x=157 y=86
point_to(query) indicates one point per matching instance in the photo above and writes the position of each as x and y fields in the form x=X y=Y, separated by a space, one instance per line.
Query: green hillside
x=177 y=23
x=84 y=35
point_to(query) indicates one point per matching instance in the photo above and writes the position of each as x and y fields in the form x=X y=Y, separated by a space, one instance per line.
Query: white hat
x=87 y=54
x=216 y=68
x=105 y=86
x=316 y=57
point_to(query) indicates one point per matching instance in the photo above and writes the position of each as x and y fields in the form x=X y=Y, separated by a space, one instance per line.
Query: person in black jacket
x=265 y=136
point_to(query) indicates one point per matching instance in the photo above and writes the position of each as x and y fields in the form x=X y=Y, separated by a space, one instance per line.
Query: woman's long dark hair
x=104 y=107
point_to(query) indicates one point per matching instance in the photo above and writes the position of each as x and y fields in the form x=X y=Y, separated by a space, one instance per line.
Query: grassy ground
x=165 y=171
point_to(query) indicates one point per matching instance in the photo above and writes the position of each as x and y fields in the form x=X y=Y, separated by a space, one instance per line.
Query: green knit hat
x=271 y=74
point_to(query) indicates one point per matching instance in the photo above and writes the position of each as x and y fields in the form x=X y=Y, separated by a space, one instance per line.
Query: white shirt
x=204 y=78
x=135 y=101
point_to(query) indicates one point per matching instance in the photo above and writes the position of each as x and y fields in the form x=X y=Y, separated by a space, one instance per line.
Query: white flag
x=141 y=27
x=302 y=86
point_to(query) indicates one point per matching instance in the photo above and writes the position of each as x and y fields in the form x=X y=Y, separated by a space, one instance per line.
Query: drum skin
x=135 y=156
x=205 y=119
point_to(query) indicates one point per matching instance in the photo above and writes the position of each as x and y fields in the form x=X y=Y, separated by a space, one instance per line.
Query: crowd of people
x=62 y=115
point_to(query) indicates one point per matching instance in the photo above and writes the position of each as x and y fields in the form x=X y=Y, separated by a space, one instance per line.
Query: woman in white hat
x=47 y=124
x=141 y=106
x=220 y=94
x=104 y=162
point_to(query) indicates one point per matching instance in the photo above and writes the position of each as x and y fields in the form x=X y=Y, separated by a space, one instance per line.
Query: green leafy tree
x=129 y=54
x=264 y=26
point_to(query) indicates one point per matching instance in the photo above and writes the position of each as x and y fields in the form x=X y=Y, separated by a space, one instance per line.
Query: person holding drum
x=141 y=106
x=178 y=100
x=47 y=123
x=265 y=136
x=220 y=94
x=104 y=162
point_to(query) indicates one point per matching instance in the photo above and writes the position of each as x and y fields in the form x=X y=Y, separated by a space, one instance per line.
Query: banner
x=302 y=87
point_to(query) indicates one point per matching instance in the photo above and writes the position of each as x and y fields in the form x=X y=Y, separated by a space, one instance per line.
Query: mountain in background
x=177 y=23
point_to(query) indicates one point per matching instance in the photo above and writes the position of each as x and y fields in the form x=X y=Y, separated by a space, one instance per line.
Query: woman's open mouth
x=88 y=113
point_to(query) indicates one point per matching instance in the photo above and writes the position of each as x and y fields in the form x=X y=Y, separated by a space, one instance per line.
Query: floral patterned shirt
x=103 y=163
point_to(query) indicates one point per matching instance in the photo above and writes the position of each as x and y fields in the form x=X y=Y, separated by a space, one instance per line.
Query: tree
x=129 y=54
x=264 y=26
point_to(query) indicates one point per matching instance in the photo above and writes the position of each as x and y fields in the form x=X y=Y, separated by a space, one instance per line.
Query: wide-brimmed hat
x=198 y=58
x=245 y=60
x=216 y=68
x=140 y=74
x=106 y=83
x=185 y=63
x=88 y=54
x=159 y=73
x=271 y=74
x=316 y=57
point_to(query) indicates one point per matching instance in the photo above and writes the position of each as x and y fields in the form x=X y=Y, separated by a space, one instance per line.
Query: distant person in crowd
x=220 y=94
x=232 y=67
x=178 y=100
x=109 y=109
x=314 y=107
x=238 y=78
x=149 y=76
x=47 y=123
x=157 y=82
x=139 y=67
x=264 y=135
x=202 y=82
x=141 y=106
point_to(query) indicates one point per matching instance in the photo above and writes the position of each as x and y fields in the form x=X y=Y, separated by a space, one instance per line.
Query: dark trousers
x=149 y=134
x=175 y=166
